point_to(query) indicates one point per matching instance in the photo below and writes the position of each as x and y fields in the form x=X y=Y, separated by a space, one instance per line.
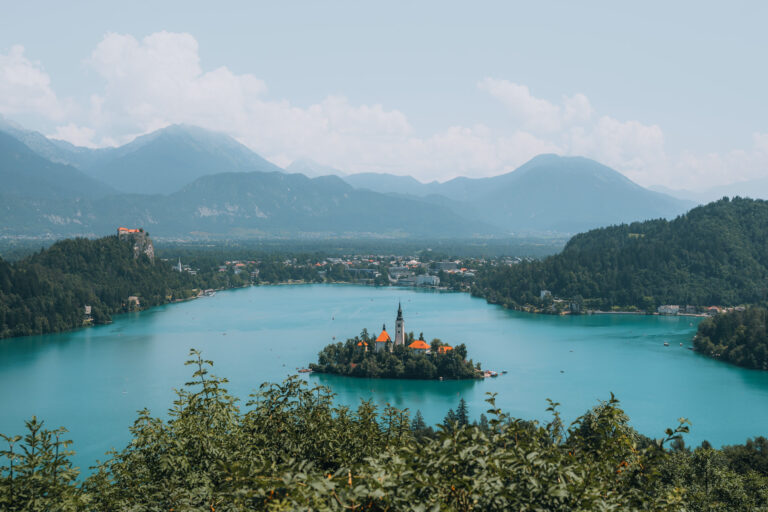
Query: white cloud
x=77 y=135
x=534 y=113
x=158 y=80
x=25 y=88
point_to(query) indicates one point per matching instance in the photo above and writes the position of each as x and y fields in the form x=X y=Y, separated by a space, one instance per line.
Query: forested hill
x=48 y=291
x=715 y=254
x=738 y=337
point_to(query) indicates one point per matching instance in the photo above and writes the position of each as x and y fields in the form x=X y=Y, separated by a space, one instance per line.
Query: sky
x=668 y=93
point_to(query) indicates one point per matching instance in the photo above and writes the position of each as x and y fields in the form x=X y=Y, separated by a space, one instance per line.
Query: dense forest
x=290 y=448
x=738 y=337
x=353 y=360
x=713 y=255
x=48 y=291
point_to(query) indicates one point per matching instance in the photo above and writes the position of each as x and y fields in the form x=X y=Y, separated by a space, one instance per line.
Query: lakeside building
x=426 y=280
x=668 y=309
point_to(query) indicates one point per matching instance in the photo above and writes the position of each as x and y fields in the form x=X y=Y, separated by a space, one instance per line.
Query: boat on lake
x=666 y=343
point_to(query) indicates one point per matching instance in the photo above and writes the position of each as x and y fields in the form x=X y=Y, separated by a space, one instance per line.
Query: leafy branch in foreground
x=292 y=448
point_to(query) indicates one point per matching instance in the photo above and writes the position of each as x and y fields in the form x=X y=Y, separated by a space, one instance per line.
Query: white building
x=668 y=309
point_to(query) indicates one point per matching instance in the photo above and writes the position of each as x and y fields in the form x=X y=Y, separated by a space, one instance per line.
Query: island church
x=385 y=341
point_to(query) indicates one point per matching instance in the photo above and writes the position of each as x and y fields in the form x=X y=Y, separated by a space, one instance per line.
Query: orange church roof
x=360 y=344
x=383 y=337
x=419 y=344
x=126 y=230
x=443 y=349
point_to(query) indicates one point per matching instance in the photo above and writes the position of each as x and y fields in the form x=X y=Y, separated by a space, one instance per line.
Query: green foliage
x=714 y=254
x=39 y=475
x=47 y=291
x=352 y=360
x=293 y=449
x=738 y=337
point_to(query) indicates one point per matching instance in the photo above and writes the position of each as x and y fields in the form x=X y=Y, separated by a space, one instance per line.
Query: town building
x=427 y=280
x=668 y=309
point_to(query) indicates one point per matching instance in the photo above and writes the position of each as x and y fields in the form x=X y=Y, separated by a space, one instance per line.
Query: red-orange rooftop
x=419 y=344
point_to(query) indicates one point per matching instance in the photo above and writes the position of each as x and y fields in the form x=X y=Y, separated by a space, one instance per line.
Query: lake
x=93 y=380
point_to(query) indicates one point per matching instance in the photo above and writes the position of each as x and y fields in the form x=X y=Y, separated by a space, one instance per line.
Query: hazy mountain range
x=755 y=189
x=184 y=181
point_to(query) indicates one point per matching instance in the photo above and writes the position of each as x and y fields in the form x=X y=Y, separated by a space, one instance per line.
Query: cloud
x=533 y=113
x=148 y=83
x=25 y=88
x=158 y=80
x=77 y=135
x=711 y=169
x=571 y=127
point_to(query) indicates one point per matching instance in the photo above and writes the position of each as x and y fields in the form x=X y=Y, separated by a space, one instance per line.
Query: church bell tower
x=399 y=327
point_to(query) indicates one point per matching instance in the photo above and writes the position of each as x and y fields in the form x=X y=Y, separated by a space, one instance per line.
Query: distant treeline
x=291 y=448
x=713 y=255
x=738 y=337
x=48 y=291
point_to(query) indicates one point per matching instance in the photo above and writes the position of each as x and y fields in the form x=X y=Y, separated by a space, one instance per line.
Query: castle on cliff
x=141 y=242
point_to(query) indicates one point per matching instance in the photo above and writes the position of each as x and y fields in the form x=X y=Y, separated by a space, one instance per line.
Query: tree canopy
x=289 y=447
x=48 y=291
x=738 y=337
x=713 y=255
x=352 y=360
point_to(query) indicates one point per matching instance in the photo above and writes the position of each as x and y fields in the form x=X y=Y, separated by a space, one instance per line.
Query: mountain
x=390 y=183
x=713 y=255
x=164 y=161
x=160 y=162
x=56 y=151
x=244 y=205
x=198 y=172
x=24 y=173
x=563 y=194
x=548 y=193
x=312 y=169
x=262 y=204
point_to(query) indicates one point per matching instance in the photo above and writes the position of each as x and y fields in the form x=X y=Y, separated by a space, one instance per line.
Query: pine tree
x=462 y=414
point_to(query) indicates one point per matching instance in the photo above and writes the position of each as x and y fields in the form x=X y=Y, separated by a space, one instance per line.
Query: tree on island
x=357 y=358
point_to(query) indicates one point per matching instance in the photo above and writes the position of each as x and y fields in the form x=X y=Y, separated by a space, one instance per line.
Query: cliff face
x=141 y=242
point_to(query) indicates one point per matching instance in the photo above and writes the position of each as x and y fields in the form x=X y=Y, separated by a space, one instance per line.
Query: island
x=403 y=357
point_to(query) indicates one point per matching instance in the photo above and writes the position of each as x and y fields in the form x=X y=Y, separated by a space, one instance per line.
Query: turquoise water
x=94 y=380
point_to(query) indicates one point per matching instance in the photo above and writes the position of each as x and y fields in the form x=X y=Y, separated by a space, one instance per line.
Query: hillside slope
x=47 y=292
x=164 y=161
x=548 y=193
x=24 y=173
x=714 y=254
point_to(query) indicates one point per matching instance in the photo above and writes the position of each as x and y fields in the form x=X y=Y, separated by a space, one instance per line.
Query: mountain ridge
x=181 y=180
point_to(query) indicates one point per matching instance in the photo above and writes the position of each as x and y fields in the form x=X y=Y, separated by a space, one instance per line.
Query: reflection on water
x=411 y=394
